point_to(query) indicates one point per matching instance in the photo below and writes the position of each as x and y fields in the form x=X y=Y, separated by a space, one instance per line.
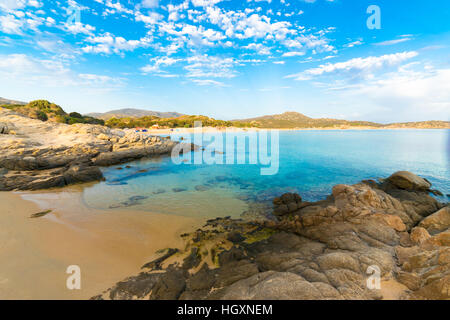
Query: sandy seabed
x=108 y=245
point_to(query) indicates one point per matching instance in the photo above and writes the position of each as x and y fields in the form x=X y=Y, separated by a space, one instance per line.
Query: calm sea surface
x=310 y=163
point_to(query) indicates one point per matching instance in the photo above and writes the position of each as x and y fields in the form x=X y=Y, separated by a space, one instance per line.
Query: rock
x=43 y=146
x=202 y=188
x=40 y=214
x=287 y=203
x=338 y=260
x=4 y=128
x=410 y=279
x=392 y=221
x=156 y=264
x=271 y=286
x=192 y=260
x=179 y=189
x=409 y=181
x=103 y=136
x=419 y=235
x=79 y=173
x=437 y=222
x=320 y=250
x=235 y=237
x=437 y=193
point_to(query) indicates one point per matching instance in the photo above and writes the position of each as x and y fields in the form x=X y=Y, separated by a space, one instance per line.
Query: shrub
x=41 y=115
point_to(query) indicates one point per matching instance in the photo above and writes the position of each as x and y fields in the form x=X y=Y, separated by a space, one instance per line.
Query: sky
x=231 y=59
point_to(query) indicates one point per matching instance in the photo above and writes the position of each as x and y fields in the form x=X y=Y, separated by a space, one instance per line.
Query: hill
x=183 y=121
x=4 y=101
x=46 y=111
x=289 y=120
x=433 y=124
x=133 y=113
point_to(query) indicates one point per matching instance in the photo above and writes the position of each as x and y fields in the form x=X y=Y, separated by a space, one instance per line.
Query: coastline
x=237 y=129
x=108 y=245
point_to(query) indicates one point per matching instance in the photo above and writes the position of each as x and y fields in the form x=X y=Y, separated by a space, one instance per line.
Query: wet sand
x=108 y=245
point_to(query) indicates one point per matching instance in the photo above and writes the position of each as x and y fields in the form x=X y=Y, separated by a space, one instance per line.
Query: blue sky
x=231 y=59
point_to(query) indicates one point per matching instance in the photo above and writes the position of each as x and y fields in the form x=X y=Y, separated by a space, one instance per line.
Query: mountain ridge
x=133 y=112
x=5 y=101
x=292 y=119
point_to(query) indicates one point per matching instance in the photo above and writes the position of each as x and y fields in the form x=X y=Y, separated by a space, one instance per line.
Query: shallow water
x=310 y=163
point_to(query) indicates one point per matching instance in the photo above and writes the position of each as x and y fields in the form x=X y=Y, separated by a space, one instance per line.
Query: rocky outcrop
x=409 y=181
x=43 y=155
x=437 y=222
x=323 y=250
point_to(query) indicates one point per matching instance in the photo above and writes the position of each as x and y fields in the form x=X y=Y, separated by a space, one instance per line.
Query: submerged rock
x=40 y=214
x=202 y=188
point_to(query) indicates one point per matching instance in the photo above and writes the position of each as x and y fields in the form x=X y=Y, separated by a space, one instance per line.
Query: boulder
x=287 y=203
x=272 y=286
x=78 y=173
x=419 y=235
x=4 y=128
x=437 y=222
x=409 y=181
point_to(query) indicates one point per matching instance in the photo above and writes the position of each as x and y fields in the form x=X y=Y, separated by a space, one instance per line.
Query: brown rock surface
x=43 y=155
x=325 y=250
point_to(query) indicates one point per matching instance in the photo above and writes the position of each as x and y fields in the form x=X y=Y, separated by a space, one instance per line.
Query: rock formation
x=38 y=155
x=323 y=250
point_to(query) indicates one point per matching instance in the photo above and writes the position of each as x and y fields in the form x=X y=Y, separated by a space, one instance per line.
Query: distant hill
x=433 y=124
x=134 y=113
x=4 y=101
x=297 y=120
x=290 y=120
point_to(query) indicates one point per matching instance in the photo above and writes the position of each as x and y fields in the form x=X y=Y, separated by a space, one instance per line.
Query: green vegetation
x=47 y=111
x=179 y=122
x=290 y=120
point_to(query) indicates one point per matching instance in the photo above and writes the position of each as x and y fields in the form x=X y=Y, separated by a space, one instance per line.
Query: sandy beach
x=108 y=246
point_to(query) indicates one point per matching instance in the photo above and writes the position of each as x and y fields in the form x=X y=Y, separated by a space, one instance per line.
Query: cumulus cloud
x=109 y=43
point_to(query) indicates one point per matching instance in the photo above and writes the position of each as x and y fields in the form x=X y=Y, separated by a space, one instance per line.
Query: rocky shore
x=313 y=250
x=39 y=155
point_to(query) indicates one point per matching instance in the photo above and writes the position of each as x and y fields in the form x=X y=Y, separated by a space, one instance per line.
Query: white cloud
x=150 y=3
x=79 y=27
x=109 y=43
x=412 y=93
x=204 y=66
x=293 y=54
x=10 y=24
x=159 y=62
x=53 y=72
x=205 y=3
x=208 y=82
x=357 y=67
x=392 y=42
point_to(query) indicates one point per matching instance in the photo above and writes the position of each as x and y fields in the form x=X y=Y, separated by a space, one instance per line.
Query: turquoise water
x=310 y=163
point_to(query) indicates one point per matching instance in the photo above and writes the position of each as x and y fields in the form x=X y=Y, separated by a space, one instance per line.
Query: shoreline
x=108 y=245
x=237 y=129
